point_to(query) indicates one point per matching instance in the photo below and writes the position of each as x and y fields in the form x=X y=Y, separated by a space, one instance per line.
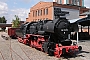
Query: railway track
x=2 y=55
x=12 y=51
x=16 y=52
x=24 y=52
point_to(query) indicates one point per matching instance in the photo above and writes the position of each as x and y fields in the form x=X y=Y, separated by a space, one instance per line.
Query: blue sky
x=9 y=8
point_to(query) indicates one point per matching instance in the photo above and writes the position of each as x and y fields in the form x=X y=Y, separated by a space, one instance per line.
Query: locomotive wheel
x=58 y=53
x=73 y=53
x=58 y=56
x=19 y=40
x=80 y=48
x=51 y=53
x=25 y=41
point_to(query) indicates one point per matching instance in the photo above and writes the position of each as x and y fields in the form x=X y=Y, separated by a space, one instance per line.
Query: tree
x=16 y=22
x=3 y=20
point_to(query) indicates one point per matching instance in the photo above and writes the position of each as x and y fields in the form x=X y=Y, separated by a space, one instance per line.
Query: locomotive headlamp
x=74 y=43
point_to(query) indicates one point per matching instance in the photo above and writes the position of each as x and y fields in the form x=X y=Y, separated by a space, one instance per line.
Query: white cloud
x=15 y=3
x=3 y=9
x=3 y=0
x=22 y=13
x=10 y=13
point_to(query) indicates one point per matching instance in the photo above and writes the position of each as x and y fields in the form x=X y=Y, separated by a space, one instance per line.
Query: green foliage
x=16 y=22
x=3 y=20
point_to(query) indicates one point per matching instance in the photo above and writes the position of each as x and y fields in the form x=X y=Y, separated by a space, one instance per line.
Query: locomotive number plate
x=64 y=29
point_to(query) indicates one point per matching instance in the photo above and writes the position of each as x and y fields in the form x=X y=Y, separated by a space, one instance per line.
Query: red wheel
x=25 y=41
x=19 y=40
x=58 y=53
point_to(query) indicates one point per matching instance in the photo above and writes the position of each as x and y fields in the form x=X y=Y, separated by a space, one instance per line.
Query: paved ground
x=13 y=50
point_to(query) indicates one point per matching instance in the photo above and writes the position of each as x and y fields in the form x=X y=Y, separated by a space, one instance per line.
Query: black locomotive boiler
x=50 y=36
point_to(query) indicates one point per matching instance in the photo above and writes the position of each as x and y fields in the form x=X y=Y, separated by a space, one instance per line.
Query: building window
x=60 y=1
x=33 y=13
x=44 y=12
x=41 y=13
x=82 y=2
x=73 y=2
x=67 y=1
x=36 y=13
x=47 y=11
x=78 y=2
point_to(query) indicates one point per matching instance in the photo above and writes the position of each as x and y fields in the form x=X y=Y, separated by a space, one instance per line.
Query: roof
x=41 y=4
x=5 y=25
x=86 y=13
x=74 y=20
x=81 y=21
x=84 y=21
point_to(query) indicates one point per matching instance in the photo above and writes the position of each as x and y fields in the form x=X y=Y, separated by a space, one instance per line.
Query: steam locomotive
x=49 y=36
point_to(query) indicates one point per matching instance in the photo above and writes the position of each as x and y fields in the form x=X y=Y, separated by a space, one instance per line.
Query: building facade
x=72 y=2
x=41 y=11
x=45 y=11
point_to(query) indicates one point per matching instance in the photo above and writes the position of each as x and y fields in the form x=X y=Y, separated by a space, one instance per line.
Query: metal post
x=77 y=37
x=81 y=28
x=88 y=29
x=68 y=36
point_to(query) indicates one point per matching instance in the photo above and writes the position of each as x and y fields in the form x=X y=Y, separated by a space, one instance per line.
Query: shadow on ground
x=68 y=56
